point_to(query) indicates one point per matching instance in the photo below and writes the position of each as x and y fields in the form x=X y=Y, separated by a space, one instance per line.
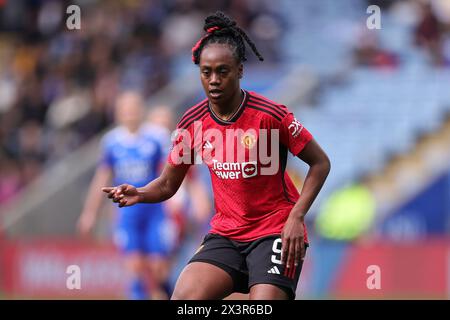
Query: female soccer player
x=145 y=234
x=258 y=237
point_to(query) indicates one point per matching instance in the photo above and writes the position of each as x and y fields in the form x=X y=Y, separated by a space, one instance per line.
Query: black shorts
x=249 y=263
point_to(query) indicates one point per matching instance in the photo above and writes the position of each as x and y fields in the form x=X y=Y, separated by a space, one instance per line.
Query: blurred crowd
x=58 y=86
x=429 y=23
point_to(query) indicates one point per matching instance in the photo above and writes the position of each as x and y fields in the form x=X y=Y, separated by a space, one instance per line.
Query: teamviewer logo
x=249 y=169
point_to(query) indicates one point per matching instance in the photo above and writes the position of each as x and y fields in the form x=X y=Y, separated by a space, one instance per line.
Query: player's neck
x=226 y=109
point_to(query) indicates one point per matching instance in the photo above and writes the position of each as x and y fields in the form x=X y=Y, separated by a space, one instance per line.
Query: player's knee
x=160 y=270
x=136 y=265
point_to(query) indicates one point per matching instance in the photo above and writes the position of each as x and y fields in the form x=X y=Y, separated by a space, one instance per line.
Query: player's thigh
x=135 y=262
x=203 y=281
x=268 y=278
x=216 y=259
x=264 y=291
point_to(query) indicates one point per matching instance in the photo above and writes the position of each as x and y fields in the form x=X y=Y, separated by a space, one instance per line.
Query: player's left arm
x=293 y=231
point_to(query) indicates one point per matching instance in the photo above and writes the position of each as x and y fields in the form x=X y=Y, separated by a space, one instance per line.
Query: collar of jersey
x=128 y=138
x=235 y=115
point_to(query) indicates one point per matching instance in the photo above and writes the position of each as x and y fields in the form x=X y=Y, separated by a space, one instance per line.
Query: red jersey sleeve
x=293 y=134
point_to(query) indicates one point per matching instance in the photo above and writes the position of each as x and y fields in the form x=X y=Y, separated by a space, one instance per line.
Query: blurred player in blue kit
x=147 y=235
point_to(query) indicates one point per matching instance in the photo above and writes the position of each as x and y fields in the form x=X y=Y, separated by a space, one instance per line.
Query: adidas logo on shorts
x=274 y=270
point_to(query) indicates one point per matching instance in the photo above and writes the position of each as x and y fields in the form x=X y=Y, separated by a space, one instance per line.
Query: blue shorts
x=145 y=228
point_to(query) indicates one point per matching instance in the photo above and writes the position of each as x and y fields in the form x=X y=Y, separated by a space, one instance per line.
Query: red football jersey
x=246 y=156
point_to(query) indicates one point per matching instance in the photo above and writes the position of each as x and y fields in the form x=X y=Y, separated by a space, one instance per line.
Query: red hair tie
x=199 y=42
x=210 y=30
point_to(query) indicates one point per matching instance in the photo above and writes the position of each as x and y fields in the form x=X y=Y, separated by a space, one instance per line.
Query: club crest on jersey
x=248 y=140
x=295 y=128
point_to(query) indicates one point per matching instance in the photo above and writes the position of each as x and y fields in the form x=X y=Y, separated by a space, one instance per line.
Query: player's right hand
x=125 y=195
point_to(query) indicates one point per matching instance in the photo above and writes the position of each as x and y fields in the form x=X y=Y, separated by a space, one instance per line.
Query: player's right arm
x=158 y=190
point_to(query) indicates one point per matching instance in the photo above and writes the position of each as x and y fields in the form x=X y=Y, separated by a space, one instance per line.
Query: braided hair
x=221 y=29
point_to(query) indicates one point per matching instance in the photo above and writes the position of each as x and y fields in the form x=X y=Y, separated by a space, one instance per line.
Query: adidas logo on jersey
x=207 y=145
x=274 y=270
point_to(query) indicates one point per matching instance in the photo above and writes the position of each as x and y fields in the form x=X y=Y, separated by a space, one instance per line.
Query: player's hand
x=125 y=195
x=293 y=245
